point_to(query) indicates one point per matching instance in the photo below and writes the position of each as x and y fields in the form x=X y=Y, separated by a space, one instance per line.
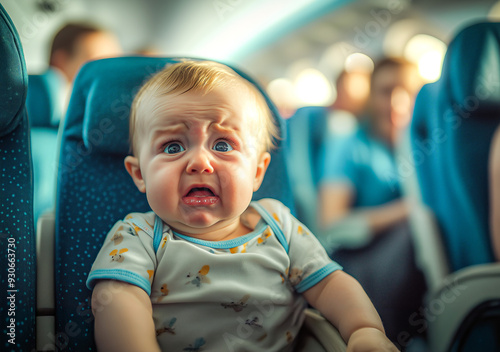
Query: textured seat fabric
x=45 y=105
x=453 y=124
x=17 y=260
x=94 y=189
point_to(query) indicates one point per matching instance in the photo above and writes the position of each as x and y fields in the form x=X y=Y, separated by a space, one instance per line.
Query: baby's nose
x=200 y=162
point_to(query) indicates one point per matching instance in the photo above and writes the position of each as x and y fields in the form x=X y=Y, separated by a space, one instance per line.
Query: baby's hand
x=370 y=340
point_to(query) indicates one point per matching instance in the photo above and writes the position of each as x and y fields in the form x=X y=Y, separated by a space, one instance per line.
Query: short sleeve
x=309 y=262
x=126 y=255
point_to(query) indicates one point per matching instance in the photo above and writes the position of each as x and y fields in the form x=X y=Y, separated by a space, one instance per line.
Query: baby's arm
x=342 y=300
x=123 y=318
x=494 y=175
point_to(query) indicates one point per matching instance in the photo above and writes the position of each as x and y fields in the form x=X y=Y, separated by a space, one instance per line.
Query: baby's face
x=198 y=158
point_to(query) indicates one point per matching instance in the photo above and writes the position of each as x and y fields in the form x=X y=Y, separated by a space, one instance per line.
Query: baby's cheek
x=233 y=177
x=158 y=196
x=225 y=179
x=153 y=201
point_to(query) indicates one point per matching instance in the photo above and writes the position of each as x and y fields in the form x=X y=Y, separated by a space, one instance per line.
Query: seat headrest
x=104 y=90
x=46 y=98
x=13 y=77
x=471 y=69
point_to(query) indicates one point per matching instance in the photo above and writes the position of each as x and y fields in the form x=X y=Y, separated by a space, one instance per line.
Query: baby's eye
x=174 y=148
x=222 y=146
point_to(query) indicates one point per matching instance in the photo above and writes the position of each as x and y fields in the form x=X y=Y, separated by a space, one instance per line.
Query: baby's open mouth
x=200 y=196
x=200 y=192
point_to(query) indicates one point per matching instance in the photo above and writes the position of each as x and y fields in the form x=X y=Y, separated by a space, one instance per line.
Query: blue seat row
x=453 y=123
x=451 y=133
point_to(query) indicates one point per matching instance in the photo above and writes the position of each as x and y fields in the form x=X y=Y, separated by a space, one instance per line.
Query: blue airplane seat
x=451 y=132
x=422 y=144
x=425 y=130
x=94 y=189
x=460 y=117
x=307 y=131
x=45 y=106
x=45 y=99
x=18 y=259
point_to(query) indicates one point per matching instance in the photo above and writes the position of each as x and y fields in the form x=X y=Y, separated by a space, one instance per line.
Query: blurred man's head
x=76 y=44
x=394 y=85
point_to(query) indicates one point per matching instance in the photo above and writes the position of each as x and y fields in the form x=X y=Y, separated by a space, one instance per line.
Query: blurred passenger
x=309 y=129
x=361 y=174
x=72 y=46
x=353 y=89
x=360 y=206
x=75 y=44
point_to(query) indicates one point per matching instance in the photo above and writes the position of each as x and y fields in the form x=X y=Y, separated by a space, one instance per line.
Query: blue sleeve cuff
x=317 y=276
x=120 y=275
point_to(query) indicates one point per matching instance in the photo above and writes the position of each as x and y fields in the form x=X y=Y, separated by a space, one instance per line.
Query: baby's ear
x=262 y=164
x=134 y=170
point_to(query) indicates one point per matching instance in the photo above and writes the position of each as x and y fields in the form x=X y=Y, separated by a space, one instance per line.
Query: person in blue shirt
x=359 y=170
x=361 y=213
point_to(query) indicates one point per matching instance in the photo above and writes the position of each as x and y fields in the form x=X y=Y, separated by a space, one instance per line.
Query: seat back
x=46 y=99
x=94 y=189
x=307 y=131
x=424 y=174
x=18 y=260
x=451 y=139
x=45 y=106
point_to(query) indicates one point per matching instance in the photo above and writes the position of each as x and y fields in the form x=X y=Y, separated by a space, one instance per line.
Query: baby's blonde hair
x=201 y=76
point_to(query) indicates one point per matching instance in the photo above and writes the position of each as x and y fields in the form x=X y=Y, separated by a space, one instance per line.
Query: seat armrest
x=318 y=335
x=448 y=306
x=45 y=263
x=45 y=311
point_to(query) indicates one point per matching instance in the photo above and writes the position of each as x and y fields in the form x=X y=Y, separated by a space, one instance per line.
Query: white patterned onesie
x=242 y=294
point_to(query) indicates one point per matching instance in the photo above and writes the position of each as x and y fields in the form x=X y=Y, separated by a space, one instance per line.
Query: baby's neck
x=241 y=226
x=220 y=233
